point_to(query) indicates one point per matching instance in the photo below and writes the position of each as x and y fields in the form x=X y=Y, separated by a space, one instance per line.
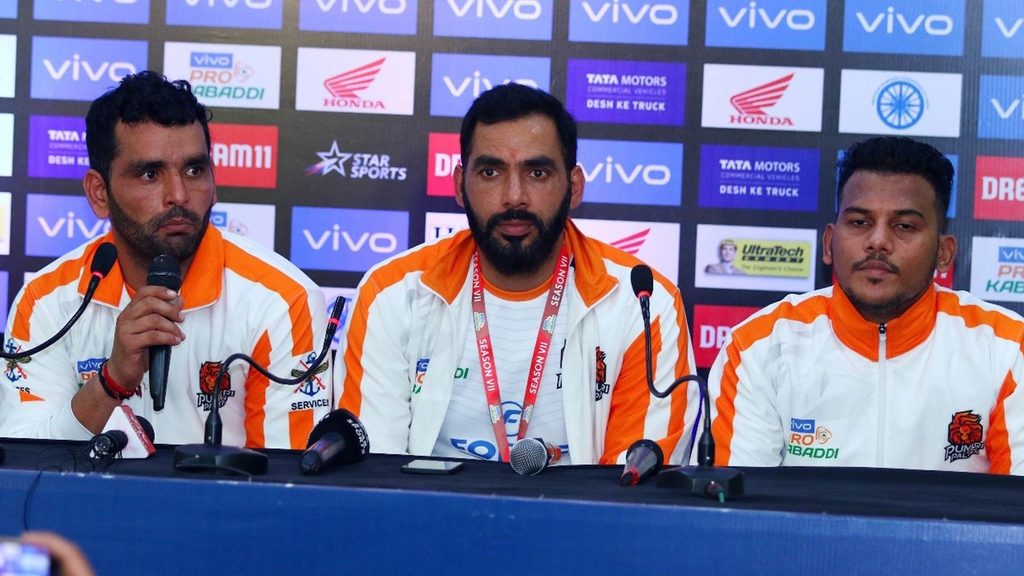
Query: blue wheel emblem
x=900 y=104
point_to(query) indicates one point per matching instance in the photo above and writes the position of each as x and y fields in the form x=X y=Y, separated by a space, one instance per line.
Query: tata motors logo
x=626 y=92
x=355 y=81
x=512 y=19
x=8 y=56
x=904 y=103
x=664 y=22
x=999 y=188
x=244 y=155
x=997 y=269
x=259 y=14
x=442 y=157
x=762 y=97
x=5 y=229
x=82 y=68
x=772 y=24
x=56 y=147
x=711 y=328
x=361 y=16
x=1001 y=107
x=229 y=75
x=254 y=221
x=356 y=165
x=620 y=172
x=755 y=258
x=904 y=27
x=346 y=239
x=1001 y=35
x=114 y=11
x=56 y=224
x=746 y=177
x=458 y=79
x=6 y=143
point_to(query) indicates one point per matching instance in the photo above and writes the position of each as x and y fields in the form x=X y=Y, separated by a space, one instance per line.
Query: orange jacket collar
x=902 y=334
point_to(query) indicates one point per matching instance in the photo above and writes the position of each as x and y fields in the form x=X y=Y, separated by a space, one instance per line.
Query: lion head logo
x=208 y=378
x=965 y=429
x=602 y=368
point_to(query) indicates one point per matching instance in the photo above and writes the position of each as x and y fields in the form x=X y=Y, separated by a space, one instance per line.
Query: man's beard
x=142 y=237
x=511 y=257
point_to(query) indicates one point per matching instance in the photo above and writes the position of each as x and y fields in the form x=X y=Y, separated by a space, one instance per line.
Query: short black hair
x=144 y=97
x=514 y=101
x=900 y=155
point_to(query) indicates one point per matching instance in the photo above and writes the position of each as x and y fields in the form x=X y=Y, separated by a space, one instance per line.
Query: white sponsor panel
x=254 y=221
x=442 y=225
x=356 y=81
x=5 y=223
x=762 y=97
x=6 y=143
x=904 y=103
x=8 y=56
x=228 y=75
x=709 y=240
x=997 y=269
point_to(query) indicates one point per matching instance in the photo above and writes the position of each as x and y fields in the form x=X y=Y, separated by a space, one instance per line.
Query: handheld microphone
x=138 y=429
x=106 y=445
x=102 y=262
x=339 y=437
x=163 y=271
x=643 y=458
x=530 y=456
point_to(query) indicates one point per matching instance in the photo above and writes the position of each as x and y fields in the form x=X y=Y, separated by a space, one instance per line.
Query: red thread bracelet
x=112 y=388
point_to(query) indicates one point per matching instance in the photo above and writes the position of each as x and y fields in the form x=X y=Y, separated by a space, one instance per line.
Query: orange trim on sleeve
x=630 y=396
x=40 y=287
x=256 y=385
x=300 y=425
x=997 y=442
x=1003 y=326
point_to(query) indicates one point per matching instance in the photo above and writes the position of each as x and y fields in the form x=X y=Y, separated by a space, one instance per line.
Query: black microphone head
x=164 y=271
x=345 y=424
x=103 y=260
x=147 y=428
x=109 y=443
x=642 y=279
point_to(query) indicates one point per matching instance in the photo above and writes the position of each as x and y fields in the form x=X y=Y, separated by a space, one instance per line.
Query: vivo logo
x=619 y=11
x=251 y=4
x=212 y=60
x=805 y=426
x=521 y=9
x=70 y=224
x=891 y=21
x=1007 y=111
x=389 y=7
x=753 y=17
x=480 y=84
x=77 y=66
x=378 y=242
x=611 y=171
x=242 y=156
x=1008 y=32
x=1011 y=254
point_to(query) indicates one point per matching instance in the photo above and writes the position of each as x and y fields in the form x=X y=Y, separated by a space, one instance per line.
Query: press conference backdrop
x=335 y=124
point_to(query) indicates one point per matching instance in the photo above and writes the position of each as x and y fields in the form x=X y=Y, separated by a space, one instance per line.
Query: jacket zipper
x=880 y=447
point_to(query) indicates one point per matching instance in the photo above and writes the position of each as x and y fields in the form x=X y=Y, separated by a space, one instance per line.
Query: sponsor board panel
x=1001 y=107
x=458 y=79
x=440 y=225
x=935 y=27
x=621 y=172
x=8 y=57
x=4 y=286
x=902 y=103
x=254 y=221
x=355 y=81
x=5 y=223
x=6 y=144
x=56 y=147
x=82 y=68
x=663 y=23
x=8 y=8
x=997 y=269
x=443 y=156
x=1001 y=35
x=759 y=178
x=113 y=11
x=253 y=14
x=626 y=92
x=999 y=188
x=346 y=239
x=711 y=326
x=244 y=155
x=361 y=16
x=56 y=224
x=755 y=258
x=767 y=24
x=762 y=97
x=357 y=162
x=510 y=19
x=228 y=75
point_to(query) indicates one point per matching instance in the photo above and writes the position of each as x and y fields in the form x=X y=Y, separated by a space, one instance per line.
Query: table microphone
x=163 y=271
x=643 y=458
x=340 y=437
x=530 y=456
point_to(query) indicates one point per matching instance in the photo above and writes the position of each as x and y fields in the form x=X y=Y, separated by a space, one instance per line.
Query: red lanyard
x=489 y=372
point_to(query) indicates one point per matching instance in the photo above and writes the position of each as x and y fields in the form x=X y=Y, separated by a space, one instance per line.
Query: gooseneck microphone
x=530 y=456
x=163 y=271
x=102 y=262
x=643 y=458
x=339 y=437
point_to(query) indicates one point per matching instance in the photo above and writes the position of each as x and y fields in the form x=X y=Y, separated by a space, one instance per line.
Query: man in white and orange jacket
x=883 y=369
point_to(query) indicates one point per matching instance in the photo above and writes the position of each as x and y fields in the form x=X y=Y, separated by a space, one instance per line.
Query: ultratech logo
x=244 y=155
x=966 y=436
x=345 y=87
x=356 y=165
x=807 y=440
x=751 y=104
x=207 y=384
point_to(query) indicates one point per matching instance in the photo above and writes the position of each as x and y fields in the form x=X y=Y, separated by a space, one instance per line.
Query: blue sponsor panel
x=935 y=27
x=457 y=79
x=950 y=212
x=82 y=68
x=8 y=8
x=56 y=224
x=512 y=19
x=1002 y=33
x=772 y=24
x=1001 y=107
x=257 y=14
x=56 y=147
x=759 y=178
x=664 y=23
x=626 y=92
x=3 y=299
x=362 y=16
x=644 y=173
x=115 y=11
x=346 y=239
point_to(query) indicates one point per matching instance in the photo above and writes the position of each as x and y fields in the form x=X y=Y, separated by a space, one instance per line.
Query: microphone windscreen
x=344 y=423
x=104 y=259
x=138 y=430
x=164 y=271
x=642 y=279
x=147 y=428
x=531 y=455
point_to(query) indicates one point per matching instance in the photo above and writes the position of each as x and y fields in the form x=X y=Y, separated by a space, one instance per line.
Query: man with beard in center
x=152 y=176
x=519 y=327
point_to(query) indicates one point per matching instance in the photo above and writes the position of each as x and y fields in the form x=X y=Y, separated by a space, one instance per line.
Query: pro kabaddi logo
x=345 y=87
x=966 y=436
x=808 y=440
x=752 y=104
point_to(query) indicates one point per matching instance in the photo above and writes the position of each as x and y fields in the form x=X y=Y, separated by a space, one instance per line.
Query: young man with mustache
x=520 y=326
x=152 y=176
x=884 y=368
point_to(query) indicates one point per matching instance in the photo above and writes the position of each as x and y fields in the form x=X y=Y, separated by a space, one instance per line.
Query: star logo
x=331 y=161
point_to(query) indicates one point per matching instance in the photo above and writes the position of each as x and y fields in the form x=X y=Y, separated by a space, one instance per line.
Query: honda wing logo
x=753 y=102
x=633 y=243
x=350 y=84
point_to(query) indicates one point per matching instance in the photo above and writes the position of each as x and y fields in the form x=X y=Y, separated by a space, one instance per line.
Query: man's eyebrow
x=485 y=160
x=901 y=212
x=540 y=162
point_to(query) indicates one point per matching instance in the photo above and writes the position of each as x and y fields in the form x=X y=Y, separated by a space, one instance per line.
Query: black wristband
x=106 y=386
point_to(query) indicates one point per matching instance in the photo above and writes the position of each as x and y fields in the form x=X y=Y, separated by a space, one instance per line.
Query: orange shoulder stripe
x=997 y=443
x=40 y=287
x=1004 y=327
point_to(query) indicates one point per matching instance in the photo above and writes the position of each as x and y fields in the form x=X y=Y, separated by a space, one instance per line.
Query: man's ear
x=457 y=176
x=947 y=252
x=576 y=182
x=97 y=193
x=826 y=244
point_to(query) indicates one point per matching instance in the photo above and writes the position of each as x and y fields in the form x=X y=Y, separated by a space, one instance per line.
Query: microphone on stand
x=163 y=271
x=339 y=437
x=104 y=447
x=102 y=262
x=211 y=454
x=530 y=456
x=643 y=458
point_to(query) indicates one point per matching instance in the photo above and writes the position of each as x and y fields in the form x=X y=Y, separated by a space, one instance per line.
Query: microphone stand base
x=715 y=483
x=205 y=457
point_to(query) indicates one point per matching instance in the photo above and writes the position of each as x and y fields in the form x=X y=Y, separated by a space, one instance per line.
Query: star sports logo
x=363 y=166
x=348 y=85
x=633 y=243
x=331 y=161
x=752 y=103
